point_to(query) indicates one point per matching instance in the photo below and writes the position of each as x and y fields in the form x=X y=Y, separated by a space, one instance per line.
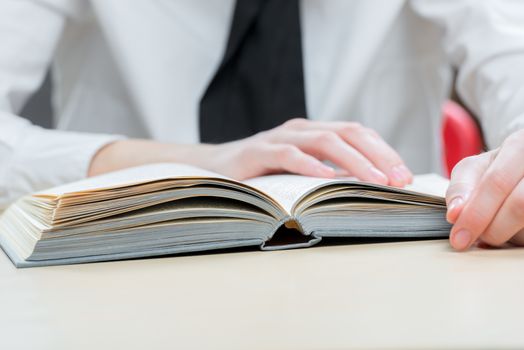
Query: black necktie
x=259 y=83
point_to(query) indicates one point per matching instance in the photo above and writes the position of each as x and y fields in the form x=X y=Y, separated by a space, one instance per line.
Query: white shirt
x=139 y=68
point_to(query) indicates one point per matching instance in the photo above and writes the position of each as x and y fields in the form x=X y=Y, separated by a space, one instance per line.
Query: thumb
x=464 y=178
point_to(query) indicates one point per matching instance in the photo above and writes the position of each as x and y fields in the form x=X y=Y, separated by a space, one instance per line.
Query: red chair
x=461 y=136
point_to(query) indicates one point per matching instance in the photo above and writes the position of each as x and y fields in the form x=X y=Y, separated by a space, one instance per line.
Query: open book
x=171 y=208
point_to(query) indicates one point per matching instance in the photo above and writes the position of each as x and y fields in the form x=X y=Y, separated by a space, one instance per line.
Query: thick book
x=164 y=209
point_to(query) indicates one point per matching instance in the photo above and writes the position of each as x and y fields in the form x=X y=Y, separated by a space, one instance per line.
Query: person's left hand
x=486 y=197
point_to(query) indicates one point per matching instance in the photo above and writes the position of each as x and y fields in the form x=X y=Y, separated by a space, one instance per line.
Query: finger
x=342 y=173
x=368 y=143
x=291 y=159
x=508 y=221
x=374 y=148
x=499 y=180
x=328 y=145
x=464 y=177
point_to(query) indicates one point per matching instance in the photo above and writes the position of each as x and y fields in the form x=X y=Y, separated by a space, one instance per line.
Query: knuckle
x=473 y=218
x=352 y=127
x=269 y=136
x=295 y=123
x=285 y=153
x=498 y=181
x=325 y=138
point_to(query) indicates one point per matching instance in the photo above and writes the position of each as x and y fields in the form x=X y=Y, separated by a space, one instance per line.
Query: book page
x=432 y=184
x=288 y=189
x=285 y=189
x=130 y=176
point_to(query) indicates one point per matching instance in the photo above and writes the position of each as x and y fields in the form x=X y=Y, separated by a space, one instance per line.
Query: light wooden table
x=389 y=295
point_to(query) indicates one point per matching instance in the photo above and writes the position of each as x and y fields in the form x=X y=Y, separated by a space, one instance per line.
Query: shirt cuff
x=47 y=158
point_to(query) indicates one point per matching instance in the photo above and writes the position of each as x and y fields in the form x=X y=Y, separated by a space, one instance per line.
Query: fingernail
x=398 y=175
x=407 y=173
x=453 y=211
x=378 y=176
x=461 y=239
x=455 y=203
x=324 y=171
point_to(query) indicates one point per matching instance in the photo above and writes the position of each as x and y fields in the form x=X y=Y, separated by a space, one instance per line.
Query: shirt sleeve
x=31 y=157
x=484 y=41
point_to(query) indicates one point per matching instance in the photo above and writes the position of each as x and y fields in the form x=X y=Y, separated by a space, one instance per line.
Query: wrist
x=199 y=155
x=134 y=152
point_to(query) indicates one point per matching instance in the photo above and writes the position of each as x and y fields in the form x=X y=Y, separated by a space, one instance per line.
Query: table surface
x=386 y=295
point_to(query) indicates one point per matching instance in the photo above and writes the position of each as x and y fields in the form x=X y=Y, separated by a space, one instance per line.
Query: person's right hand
x=298 y=146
